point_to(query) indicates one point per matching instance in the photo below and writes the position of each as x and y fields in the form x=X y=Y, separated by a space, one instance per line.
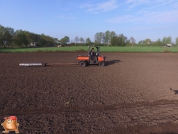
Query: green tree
x=158 y=42
x=1 y=35
x=107 y=37
x=111 y=35
x=147 y=41
x=56 y=40
x=99 y=37
x=28 y=36
x=177 y=41
x=21 y=38
x=114 y=41
x=49 y=40
x=88 y=40
x=141 y=42
x=6 y=36
x=65 y=40
x=167 y=40
x=33 y=39
x=122 y=40
x=43 y=42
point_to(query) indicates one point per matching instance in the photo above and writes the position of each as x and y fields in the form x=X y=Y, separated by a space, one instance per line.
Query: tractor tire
x=83 y=64
x=102 y=63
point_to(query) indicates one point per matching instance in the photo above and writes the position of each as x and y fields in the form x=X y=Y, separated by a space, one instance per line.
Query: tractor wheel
x=102 y=63
x=83 y=64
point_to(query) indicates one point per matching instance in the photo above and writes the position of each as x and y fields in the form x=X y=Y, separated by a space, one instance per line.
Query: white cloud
x=86 y=5
x=150 y=17
x=166 y=16
x=143 y=28
x=159 y=11
x=134 y=3
x=137 y=1
x=122 y=19
x=101 y=7
x=175 y=5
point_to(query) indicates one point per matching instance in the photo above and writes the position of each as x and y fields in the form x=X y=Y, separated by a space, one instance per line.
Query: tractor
x=91 y=59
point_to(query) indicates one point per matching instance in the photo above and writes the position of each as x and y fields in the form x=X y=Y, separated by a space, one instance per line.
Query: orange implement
x=82 y=58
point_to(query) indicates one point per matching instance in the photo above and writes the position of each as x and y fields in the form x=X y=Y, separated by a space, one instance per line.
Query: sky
x=141 y=19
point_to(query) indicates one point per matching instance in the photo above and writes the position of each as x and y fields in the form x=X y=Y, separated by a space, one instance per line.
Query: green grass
x=136 y=49
x=140 y=49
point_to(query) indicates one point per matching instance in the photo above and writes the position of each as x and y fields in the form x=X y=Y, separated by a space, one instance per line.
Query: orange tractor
x=91 y=58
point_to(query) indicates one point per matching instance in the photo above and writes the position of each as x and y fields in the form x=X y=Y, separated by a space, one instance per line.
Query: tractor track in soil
x=89 y=108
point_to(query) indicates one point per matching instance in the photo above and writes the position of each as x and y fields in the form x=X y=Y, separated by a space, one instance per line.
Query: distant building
x=169 y=45
x=32 y=44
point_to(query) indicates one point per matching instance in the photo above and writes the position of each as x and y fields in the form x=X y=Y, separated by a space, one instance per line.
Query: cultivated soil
x=135 y=93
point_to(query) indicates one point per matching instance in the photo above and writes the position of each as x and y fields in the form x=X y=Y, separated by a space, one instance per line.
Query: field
x=135 y=93
x=137 y=49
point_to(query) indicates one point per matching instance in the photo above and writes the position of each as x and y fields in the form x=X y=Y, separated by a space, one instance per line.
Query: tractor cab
x=93 y=57
x=93 y=54
x=97 y=52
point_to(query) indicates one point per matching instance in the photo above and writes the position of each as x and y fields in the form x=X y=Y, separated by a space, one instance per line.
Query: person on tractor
x=92 y=54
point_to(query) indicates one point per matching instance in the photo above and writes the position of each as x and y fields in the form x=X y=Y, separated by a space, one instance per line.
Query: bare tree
x=81 y=40
x=76 y=39
x=132 y=41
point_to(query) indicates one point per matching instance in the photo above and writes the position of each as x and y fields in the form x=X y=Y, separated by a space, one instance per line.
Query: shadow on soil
x=111 y=62
x=175 y=91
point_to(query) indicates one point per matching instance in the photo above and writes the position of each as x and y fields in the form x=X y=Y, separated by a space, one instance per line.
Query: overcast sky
x=140 y=19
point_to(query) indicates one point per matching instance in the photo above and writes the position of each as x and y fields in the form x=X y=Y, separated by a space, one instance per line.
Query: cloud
x=166 y=16
x=159 y=11
x=175 y=5
x=149 y=17
x=86 y=5
x=122 y=19
x=143 y=28
x=133 y=3
x=100 y=7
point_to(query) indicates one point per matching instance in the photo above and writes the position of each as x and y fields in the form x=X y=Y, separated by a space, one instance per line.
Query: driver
x=92 y=54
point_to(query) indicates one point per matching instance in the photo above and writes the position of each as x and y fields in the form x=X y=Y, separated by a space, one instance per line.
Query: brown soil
x=135 y=93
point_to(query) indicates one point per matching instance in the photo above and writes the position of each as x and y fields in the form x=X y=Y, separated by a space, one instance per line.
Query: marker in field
x=45 y=64
x=32 y=64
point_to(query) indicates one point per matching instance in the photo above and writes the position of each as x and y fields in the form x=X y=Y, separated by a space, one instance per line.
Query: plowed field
x=134 y=93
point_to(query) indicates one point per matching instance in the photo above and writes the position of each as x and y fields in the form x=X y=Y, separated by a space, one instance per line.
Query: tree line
x=11 y=38
x=113 y=39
